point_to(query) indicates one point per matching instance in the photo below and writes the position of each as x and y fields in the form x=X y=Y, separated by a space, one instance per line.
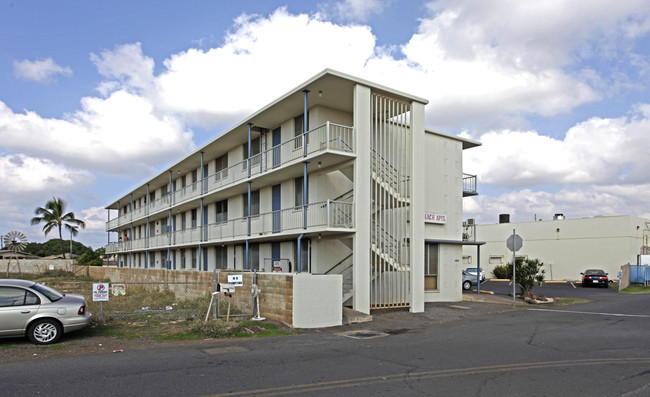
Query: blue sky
x=97 y=96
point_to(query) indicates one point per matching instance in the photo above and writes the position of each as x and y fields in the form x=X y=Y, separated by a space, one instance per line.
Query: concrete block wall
x=35 y=266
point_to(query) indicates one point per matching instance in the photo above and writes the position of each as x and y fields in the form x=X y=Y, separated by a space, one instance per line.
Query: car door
x=17 y=307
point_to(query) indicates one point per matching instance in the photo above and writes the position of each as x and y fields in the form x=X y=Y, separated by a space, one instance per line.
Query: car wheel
x=467 y=285
x=44 y=331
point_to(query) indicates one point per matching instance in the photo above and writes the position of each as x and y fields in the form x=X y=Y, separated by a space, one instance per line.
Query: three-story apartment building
x=338 y=176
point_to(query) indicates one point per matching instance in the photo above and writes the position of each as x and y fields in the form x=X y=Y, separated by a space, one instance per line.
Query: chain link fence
x=134 y=301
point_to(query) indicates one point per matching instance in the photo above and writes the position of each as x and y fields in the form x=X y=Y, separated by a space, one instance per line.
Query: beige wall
x=567 y=247
x=35 y=266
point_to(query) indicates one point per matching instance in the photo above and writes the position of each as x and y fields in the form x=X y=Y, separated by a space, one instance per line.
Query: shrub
x=502 y=271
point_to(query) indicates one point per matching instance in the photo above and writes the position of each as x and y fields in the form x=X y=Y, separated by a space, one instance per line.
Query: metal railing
x=329 y=136
x=322 y=215
x=469 y=185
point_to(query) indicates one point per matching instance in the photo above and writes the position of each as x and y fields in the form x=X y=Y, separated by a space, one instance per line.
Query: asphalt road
x=600 y=348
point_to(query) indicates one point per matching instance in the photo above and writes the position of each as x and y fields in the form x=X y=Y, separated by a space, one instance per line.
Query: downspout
x=202 y=174
x=247 y=259
x=478 y=269
x=304 y=195
x=198 y=265
x=299 y=261
x=169 y=189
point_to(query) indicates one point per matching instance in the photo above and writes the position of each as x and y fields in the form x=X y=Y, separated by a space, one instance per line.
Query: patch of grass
x=9 y=347
x=569 y=301
x=636 y=289
x=219 y=328
x=49 y=347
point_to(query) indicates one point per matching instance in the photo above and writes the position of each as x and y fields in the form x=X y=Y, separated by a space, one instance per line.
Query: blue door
x=276 y=208
x=277 y=152
x=276 y=264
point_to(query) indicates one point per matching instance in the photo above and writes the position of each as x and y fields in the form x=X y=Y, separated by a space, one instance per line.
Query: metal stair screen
x=390 y=172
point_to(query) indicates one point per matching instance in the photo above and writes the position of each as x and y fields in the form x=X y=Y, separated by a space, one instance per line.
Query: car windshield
x=51 y=294
x=594 y=271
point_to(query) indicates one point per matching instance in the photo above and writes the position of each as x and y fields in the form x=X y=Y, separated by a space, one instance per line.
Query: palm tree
x=53 y=215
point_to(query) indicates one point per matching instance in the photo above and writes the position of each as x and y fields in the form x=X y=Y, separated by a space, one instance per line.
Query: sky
x=98 y=96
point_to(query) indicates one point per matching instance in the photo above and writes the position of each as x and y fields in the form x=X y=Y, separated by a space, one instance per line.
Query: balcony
x=320 y=216
x=328 y=137
x=469 y=185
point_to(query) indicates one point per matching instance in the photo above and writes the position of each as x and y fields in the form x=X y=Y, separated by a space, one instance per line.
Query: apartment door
x=276 y=206
x=277 y=152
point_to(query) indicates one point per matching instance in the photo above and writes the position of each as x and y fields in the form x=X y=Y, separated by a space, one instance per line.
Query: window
x=221 y=211
x=163 y=260
x=305 y=245
x=255 y=150
x=152 y=196
x=193 y=218
x=183 y=181
x=495 y=259
x=195 y=177
x=221 y=166
x=164 y=190
x=298 y=126
x=152 y=260
x=182 y=258
x=298 y=190
x=183 y=221
x=221 y=258
x=10 y=296
x=431 y=267
x=194 y=259
x=255 y=203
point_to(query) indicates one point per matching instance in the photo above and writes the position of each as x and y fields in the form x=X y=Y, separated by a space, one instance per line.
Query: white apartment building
x=338 y=176
x=567 y=247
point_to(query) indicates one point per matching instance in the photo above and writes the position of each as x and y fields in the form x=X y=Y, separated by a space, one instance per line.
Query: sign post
x=514 y=244
x=100 y=294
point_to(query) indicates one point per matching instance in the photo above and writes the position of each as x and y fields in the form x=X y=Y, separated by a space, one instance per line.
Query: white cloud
x=21 y=174
x=359 y=10
x=261 y=59
x=118 y=134
x=574 y=202
x=43 y=71
x=598 y=151
x=126 y=64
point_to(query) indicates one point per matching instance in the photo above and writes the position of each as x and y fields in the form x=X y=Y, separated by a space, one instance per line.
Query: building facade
x=567 y=247
x=338 y=176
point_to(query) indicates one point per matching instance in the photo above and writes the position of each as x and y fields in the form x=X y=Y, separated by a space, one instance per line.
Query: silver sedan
x=41 y=313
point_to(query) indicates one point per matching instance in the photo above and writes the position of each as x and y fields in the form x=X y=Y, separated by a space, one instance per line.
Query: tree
x=53 y=215
x=92 y=258
x=528 y=273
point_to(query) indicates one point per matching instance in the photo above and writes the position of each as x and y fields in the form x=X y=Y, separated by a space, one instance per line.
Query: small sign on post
x=236 y=279
x=100 y=294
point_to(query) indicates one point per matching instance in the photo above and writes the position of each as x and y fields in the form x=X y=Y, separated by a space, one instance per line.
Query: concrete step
x=351 y=316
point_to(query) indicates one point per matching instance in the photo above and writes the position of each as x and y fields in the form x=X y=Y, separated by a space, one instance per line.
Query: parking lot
x=551 y=289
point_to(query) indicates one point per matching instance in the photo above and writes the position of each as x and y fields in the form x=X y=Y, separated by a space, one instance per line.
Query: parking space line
x=596 y=313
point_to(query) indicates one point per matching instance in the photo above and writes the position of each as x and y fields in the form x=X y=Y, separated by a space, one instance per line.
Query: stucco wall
x=317 y=300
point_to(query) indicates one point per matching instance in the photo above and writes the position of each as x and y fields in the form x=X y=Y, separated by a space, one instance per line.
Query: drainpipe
x=304 y=195
x=246 y=255
x=147 y=201
x=108 y=233
x=299 y=261
x=478 y=270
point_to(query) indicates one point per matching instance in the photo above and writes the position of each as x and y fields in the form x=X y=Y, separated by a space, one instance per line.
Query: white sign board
x=236 y=279
x=435 y=218
x=227 y=288
x=100 y=292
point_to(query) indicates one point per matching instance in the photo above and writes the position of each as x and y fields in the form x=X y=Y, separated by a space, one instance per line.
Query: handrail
x=339 y=262
x=328 y=136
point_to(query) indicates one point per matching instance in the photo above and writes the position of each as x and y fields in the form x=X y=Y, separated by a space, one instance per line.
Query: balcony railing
x=469 y=185
x=324 y=215
x=329 y=136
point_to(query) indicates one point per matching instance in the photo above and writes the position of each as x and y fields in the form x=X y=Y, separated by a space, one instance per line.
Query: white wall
x=567 y=247
x=317 y=300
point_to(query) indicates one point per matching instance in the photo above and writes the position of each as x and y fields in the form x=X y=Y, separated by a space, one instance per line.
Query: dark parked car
x=39 y=312
x=594 y=277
